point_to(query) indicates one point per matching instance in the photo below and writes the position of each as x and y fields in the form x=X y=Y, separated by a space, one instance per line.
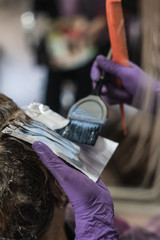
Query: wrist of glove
x=96 y=224
x=92 y=202
x=94 y=218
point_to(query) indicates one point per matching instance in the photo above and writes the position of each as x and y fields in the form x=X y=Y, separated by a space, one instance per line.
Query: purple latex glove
x=136 y=84
x=92 y=202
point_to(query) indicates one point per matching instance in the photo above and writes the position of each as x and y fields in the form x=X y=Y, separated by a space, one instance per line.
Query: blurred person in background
x=77 y=33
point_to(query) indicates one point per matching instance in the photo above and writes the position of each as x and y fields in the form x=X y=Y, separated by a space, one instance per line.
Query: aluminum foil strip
x=90 y=160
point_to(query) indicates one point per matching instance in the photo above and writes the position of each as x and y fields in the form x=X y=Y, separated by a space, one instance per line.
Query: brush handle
x=117 y=34
x=98 y=87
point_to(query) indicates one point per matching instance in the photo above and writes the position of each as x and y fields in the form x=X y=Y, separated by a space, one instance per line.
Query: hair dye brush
x=86 y=116
x=117 y=35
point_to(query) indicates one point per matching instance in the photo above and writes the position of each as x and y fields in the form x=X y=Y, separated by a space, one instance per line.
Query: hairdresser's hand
x=135 y=83
x=91 y=201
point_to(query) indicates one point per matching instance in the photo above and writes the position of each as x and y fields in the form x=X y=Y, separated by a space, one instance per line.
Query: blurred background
x=41 y=40
x=46 y=51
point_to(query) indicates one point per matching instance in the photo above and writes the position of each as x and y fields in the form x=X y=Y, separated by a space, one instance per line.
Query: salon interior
x=45 y=58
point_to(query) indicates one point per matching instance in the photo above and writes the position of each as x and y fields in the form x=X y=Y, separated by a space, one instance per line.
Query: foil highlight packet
x=90 y=160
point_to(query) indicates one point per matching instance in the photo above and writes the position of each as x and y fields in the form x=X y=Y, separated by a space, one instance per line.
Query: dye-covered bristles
x=81 y=132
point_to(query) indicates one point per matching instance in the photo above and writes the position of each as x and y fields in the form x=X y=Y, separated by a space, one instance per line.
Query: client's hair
x=27 y=189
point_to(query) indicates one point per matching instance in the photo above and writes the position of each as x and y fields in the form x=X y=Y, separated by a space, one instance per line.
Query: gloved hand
x=92 y=202
x=135 y=83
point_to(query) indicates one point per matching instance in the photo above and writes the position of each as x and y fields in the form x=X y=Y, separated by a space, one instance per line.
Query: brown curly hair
x=28 y=192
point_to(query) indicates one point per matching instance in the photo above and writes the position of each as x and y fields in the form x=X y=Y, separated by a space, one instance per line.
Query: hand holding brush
x=135 y=83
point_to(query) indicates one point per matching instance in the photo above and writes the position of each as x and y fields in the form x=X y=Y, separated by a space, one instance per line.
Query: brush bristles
x=80 y=132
